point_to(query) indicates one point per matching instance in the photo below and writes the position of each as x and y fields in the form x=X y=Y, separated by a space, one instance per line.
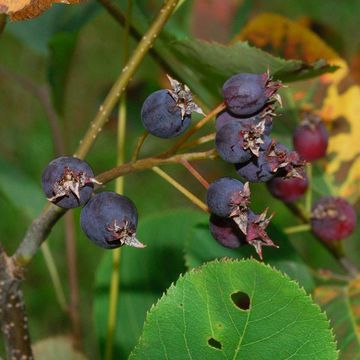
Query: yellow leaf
x=26 y=9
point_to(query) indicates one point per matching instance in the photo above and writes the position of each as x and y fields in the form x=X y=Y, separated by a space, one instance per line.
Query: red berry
x=288 y=189
x=311 y=138
x=332 y=219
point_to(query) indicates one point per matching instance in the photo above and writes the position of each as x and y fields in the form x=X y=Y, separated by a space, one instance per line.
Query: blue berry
x=225 y=232
x=161 y=117
x=237 y=143
x=109 y=220
x=228 y=197
x=167 y=113
x=246 y=94
x=225 y=117
x=68 y=182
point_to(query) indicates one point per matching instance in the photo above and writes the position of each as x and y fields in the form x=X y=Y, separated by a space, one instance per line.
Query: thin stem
x=54 y=275
x=128 y=71
x=195 y=173
x=195 y=200
x=297 y=229
x=308 y=196
x=195 y=128
x=199 y=141
x=139 y=144
x=298 y=211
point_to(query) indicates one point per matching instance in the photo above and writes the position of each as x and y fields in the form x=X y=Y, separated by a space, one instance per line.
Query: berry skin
x=162 y=117
x=225 y=117
x=237 y=143
x=333 y=218
x=68 y=182
x=311 y=138
x=225 y=232
x=227 y=197
x=288 y=189
x=109 y=220
x=246 y=94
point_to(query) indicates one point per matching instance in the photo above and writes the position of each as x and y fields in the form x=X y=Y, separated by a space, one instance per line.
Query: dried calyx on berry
x=332 y=219
x=183 y=98
x=247 y=94
x=280 y=158
x=256 y=234
x=311 y=137
x=68 y=182
x=237 y=143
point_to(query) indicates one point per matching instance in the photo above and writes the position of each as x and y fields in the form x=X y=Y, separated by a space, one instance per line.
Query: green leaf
x=342 y=306
x=145 y=275
x=235 y=310
x=201 y=247
x=214 y=63
x=56 y=348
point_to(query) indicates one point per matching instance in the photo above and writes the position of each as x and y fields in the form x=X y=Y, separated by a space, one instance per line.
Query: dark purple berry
x=256 y=234
x=237 y=143
x=311 y=138
x=225 y=232
x=246 y=94
x=68 y=182
x=110 y=221
x=167 y=113
x=288 y=189
x=332 y=218
x=225 y=117
x=227 y=197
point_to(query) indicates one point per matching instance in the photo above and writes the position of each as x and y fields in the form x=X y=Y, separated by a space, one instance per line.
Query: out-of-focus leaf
x=214 y=63
x=145 y=275
x=342 y=306
x=27 y=9
x=201 y=247
x=62 y=47
x=56 y=348
x=20 y=189
x=235 y=310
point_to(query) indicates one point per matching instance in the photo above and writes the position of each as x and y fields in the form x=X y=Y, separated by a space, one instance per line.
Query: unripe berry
x=311 y=138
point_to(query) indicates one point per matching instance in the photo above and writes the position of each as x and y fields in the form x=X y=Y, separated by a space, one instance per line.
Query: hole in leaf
x=215 y=344
x=241 y=300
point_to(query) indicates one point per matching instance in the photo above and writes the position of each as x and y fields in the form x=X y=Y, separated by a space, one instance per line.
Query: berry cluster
x=108 y=219
x=232 y=223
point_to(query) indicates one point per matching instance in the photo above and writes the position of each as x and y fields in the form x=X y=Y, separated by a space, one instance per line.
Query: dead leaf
x=27 y=9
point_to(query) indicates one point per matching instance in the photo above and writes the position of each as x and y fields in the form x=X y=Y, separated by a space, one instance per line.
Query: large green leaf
x=214 y=63
x=201 y=247
x=235 y=310
x=145 y=275
x=342 y=306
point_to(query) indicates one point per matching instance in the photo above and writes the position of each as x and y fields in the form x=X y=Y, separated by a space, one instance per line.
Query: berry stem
x=195 y=173
x=139 y=144
x=296 y=229
x=127 y=72
x=199 y=141
x=195 y=200
x=195 y=128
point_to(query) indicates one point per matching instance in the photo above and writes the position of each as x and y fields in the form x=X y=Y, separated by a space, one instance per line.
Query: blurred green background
x=78 y=50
